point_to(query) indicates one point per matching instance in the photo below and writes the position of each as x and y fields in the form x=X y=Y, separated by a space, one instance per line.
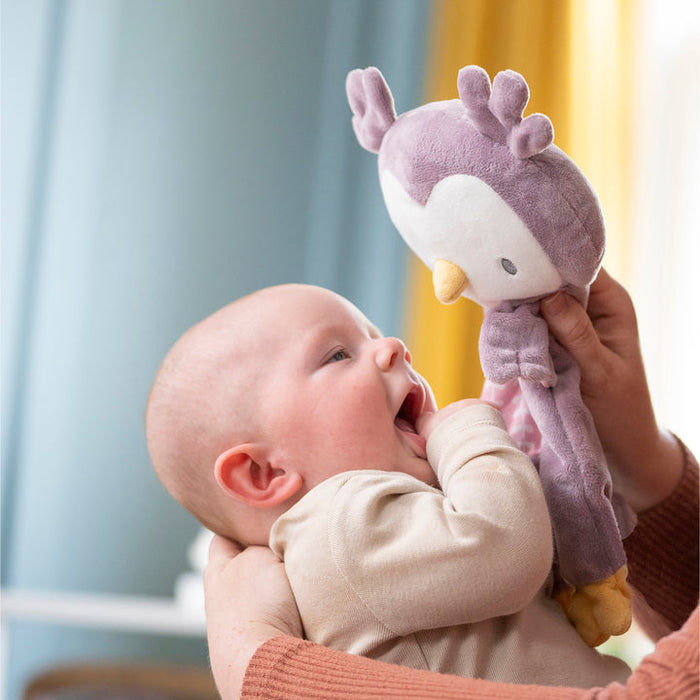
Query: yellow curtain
x=575 y=56
x=600 y=129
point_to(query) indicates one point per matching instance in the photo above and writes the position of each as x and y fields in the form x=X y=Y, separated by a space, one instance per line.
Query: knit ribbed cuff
x=663 y=550
x=290 y=669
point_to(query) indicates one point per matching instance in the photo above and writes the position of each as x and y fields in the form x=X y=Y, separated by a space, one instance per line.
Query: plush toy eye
x=508 y=266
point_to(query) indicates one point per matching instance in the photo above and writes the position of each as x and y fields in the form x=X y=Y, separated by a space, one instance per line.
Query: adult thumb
x=572 y=327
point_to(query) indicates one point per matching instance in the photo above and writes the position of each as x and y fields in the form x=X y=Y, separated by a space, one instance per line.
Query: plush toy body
x=504 y=217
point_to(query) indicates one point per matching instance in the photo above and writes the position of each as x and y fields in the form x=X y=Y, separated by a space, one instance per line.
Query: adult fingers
x=602 y=289
x=221 y=551
x=612 y=312
x=572 y=327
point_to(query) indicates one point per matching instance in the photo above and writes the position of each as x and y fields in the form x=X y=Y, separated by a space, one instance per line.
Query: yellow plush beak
x=449 y=281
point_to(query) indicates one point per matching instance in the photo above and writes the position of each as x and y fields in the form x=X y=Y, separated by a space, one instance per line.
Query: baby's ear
x=244 y=473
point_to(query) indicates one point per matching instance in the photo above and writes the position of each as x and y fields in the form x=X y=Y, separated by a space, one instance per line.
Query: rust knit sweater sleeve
x=663 y=557
x=663 y=565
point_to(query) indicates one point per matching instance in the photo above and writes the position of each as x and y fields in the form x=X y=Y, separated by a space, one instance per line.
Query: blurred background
x=160 y=159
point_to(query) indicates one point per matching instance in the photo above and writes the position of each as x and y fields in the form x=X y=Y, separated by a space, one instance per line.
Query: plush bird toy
x=502 y=216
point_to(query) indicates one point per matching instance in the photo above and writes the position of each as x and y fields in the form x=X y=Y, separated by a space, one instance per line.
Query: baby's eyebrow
x=315 y=340
x=323 y=330
x=332 y=327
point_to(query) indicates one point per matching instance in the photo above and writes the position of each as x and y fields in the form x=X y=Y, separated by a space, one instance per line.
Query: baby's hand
x=428 y=421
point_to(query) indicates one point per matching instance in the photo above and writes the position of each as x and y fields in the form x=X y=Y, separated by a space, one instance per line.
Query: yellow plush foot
x=600 y=610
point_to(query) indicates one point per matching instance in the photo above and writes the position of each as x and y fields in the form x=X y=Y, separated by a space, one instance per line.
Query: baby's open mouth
x=410 y=410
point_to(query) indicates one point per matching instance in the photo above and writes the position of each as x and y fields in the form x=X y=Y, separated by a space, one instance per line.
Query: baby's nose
x=390 y=352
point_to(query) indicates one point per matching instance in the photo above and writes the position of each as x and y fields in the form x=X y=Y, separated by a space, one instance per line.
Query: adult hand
x=645 y=462
x=248 y=601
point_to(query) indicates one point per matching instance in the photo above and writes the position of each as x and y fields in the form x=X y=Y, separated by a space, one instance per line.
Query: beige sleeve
x=419 y=559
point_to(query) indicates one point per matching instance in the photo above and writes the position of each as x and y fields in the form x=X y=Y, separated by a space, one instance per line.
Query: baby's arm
x=482 y=549
x=479 y=467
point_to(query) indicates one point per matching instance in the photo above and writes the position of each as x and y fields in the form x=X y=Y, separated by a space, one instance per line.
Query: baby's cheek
x=356 y=420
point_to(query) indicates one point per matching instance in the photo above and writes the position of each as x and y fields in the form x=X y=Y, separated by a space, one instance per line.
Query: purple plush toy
x=504 y=217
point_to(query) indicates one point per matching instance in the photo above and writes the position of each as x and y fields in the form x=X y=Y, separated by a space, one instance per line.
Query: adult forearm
x=663 y=552
x=230 y=654
x=291 y=669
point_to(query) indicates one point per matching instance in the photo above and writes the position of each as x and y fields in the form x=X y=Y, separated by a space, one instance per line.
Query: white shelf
x=128 y=613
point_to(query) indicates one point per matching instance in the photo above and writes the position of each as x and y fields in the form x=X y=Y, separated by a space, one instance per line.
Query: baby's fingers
x=429 y=420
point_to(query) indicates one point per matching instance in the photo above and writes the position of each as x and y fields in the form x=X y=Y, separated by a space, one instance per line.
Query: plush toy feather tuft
x=373 y=107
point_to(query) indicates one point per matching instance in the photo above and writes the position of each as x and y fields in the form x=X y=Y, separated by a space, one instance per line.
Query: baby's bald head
x=200 y=404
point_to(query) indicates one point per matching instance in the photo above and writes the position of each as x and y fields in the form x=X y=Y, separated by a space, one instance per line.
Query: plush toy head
x=480 y=194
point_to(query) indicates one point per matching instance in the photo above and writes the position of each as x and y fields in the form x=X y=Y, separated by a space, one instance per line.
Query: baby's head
x=273 y=394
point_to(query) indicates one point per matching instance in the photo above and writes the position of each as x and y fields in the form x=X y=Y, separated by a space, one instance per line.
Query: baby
x=412 y=535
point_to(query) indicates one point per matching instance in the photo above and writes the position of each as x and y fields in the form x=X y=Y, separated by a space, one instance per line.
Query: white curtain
x=666 y=258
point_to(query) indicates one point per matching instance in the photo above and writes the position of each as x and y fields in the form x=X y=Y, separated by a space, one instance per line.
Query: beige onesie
x=452 y=580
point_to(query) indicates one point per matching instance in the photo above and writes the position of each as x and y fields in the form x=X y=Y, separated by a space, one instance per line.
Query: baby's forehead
x=307 y=305
x=267 y=325
x=334 y=311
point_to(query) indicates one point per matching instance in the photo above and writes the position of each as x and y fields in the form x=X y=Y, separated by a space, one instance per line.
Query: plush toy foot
x=599 y=610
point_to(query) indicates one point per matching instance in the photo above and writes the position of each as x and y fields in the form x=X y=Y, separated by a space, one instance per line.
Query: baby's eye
x=339 y=355
x=508 y=266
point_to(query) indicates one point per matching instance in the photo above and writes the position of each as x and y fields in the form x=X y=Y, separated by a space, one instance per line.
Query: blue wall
x=159 y=160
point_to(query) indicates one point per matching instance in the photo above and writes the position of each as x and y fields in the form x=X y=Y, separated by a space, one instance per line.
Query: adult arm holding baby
x=252 y=618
